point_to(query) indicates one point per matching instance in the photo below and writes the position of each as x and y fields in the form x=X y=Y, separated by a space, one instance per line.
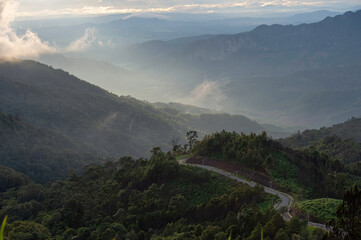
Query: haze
x=188 y=52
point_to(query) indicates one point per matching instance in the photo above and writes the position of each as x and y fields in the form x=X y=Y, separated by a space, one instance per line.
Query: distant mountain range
x=293 y=75
x=309 y=72
x=126 y=29
x=276 y=48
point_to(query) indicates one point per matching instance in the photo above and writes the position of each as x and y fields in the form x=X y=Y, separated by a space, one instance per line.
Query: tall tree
x=192 y=138
x=348 y=223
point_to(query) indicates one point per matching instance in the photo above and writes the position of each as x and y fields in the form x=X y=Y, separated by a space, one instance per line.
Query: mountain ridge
x=119 y=125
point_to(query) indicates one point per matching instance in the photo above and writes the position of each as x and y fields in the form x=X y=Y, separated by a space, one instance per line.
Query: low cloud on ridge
x=208 y=94
x=84 y=42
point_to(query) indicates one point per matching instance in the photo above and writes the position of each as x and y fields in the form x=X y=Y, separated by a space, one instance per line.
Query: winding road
x=286 y=199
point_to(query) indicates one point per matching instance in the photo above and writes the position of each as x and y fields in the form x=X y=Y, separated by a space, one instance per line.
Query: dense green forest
x=306 y=172
x=142 y=199
x=44 y=155
x=350 y=129
x=341 y=142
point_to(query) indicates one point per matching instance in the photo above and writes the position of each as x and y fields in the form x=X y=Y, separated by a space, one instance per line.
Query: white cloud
x=28 y=44
x=84 y=42
x=290 y=3
x=13 y=45
x=207 y=94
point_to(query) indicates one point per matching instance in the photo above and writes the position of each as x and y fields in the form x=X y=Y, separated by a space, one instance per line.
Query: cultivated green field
x=322 y=208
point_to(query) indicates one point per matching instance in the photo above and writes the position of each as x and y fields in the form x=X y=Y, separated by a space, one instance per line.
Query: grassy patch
x=323 y=209
x=179 y=157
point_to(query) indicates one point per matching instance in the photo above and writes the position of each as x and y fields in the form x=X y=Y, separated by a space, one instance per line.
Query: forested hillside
x=341 y=142
x=145 y=199
x=54 y=99
x=308 y=172
x=44 y=155
x=350 y=129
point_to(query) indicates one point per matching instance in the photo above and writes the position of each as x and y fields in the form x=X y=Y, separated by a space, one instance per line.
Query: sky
x=29 y=44
x=43 y=8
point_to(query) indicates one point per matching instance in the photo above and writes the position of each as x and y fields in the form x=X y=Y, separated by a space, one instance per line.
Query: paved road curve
x=286 y=199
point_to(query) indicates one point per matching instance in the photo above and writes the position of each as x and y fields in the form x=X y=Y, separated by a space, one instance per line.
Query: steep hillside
x=42 y=154
x=54 y=99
